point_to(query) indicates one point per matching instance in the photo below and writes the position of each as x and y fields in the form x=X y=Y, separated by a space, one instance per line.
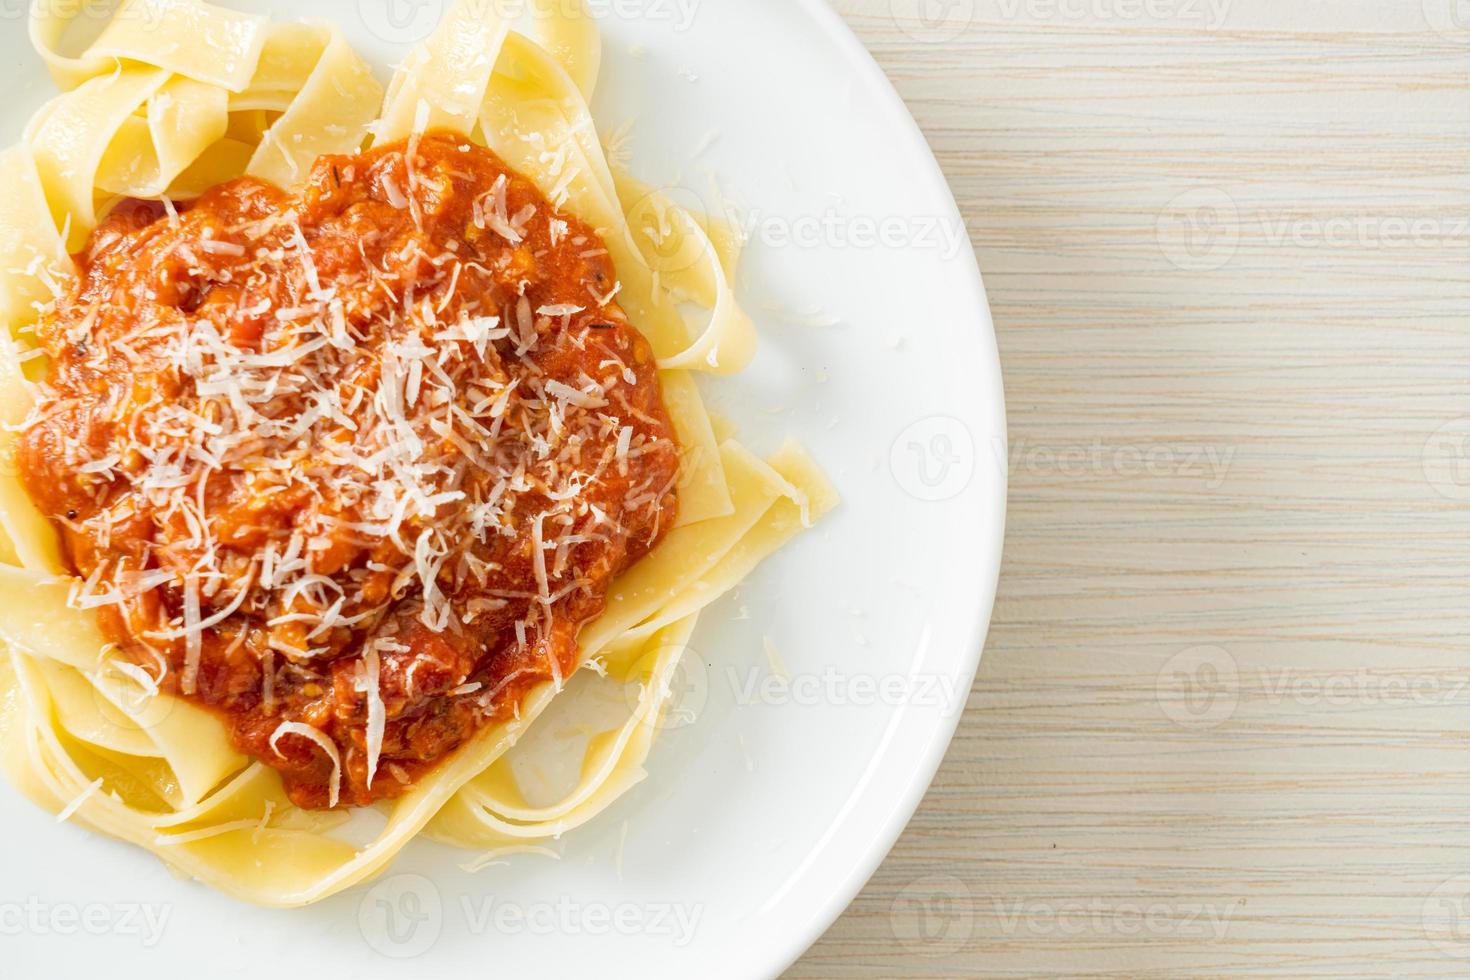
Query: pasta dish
x=350 y=427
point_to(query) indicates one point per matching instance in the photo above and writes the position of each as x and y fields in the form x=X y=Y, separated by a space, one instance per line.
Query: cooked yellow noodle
x=175 y=97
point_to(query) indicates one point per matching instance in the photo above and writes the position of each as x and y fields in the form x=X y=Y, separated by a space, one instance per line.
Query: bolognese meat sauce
x=350 y=468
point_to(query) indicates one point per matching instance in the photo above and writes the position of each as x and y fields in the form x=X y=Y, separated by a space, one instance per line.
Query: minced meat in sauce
x=364 y=459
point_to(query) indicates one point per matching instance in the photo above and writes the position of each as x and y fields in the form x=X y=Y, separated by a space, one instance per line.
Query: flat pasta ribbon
x=175 y=97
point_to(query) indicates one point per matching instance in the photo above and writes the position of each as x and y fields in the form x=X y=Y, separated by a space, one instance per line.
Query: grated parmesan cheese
x=321 y=741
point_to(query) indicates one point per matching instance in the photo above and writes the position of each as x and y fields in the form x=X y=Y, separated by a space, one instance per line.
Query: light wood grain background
x=1223 y=722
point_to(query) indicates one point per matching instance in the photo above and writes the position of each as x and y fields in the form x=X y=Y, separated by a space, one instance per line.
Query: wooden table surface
x=1223 y=722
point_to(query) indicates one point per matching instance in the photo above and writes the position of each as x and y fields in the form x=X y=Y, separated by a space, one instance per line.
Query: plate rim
x=806 y=934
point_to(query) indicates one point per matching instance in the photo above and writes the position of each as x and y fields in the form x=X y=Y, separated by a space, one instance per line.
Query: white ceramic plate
x=765 y=814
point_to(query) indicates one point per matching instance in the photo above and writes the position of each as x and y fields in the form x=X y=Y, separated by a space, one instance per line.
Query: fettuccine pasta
x=168 y=105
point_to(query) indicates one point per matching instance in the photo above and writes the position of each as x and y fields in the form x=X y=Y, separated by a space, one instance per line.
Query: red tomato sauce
x=366 y=457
